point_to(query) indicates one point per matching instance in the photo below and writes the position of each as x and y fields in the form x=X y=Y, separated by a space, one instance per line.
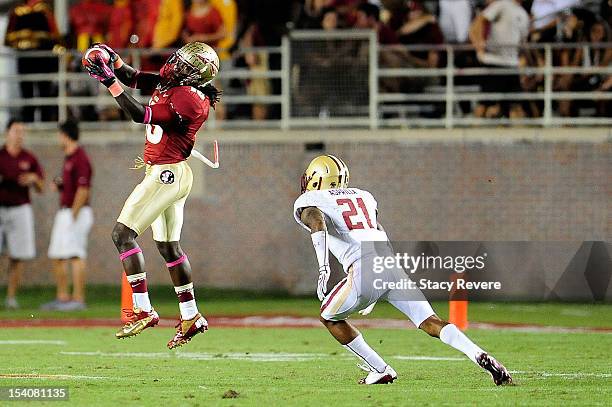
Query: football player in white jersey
x=340 y=219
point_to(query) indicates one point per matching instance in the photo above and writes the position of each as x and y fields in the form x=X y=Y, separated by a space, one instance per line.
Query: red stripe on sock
x=139 y=286
x=185 y=296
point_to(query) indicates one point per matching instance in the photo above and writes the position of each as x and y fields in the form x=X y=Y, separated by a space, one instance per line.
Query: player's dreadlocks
x=213 y=94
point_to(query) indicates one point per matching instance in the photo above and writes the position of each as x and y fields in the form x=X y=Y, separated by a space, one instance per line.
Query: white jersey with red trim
x=350 y=215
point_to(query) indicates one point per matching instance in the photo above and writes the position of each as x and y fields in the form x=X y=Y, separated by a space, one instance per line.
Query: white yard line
x=148 y=355
x=48 y=376
x=255 y=357
x=250 y=356
x=573 y=375
x=432 y=358
x=32 y=342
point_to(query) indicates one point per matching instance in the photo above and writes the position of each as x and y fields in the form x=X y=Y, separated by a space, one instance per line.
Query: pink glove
x=100 y=71
x=115 y=59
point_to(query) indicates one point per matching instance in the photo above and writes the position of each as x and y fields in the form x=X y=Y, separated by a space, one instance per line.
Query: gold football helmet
x=194 y=64
x=325 y=172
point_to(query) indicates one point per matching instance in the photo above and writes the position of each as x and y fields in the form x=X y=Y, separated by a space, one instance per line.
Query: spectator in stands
x=19 y=172
x=257 y=62
x=73 y=221
x=368 y=18
x=595 y=56
x=530 y=83
x=455 y=19
x=271 y=18
x=89 y=22
x=574 y=29
x=203 y=23
x=158 y=23
x=310 y=15
x=507 y=24
x=120 y=24
x=419 y=28
x=32 y=27
x=347 y=11
x=228 y=9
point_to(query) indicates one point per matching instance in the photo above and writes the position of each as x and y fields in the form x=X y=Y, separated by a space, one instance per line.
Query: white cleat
x=374 y=377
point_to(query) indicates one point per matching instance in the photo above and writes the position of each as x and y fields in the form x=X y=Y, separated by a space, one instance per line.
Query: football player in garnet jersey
x=179 y=106
x=343 y=220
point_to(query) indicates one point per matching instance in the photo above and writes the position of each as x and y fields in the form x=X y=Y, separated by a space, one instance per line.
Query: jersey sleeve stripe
x=147 y=115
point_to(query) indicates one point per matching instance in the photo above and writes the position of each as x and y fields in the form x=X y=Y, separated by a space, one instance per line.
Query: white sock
x=188 y=309
x=452 y=336
x=362 y=350
x=187 y=303
x=141 y=300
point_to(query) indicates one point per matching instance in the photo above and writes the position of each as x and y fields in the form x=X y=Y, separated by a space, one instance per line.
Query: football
x=95 y=54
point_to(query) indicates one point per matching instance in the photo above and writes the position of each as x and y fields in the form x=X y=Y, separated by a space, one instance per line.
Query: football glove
x=114 y=57
x=367 y=310
x=101 y=72
x=322 y=283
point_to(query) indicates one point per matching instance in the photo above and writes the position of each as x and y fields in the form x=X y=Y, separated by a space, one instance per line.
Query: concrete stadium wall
x=486 y=184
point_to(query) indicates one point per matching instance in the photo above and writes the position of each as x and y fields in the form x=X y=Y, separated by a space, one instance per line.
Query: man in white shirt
x=455 y=19
x=507 y=24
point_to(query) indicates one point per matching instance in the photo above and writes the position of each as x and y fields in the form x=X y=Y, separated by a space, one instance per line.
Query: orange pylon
x=126 y=299
x=458 y=304
x=458 y=313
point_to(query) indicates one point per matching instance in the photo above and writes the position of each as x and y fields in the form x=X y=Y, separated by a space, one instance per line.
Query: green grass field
x=305 y=366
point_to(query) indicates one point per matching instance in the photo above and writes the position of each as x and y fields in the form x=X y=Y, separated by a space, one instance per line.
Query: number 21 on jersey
x=352 y=217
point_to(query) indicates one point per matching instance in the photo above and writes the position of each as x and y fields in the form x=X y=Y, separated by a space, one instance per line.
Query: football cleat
x=374 y=377
x=141 y=320
x=498 y=371
x=187 y=329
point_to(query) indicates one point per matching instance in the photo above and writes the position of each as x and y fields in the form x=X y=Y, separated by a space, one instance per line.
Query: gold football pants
x=158 y=201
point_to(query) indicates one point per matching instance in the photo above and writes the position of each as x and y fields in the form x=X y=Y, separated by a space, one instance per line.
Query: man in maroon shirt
x=72 y=222
x=19 y=170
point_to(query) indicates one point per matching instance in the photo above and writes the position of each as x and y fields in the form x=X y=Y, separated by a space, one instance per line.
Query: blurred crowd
x=494 y=28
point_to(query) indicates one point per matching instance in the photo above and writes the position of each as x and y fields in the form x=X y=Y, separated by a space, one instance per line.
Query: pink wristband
x=115 y=89
x=118 y=63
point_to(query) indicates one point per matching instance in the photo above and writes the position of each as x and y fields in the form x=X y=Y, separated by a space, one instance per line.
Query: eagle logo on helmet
x=325 y=172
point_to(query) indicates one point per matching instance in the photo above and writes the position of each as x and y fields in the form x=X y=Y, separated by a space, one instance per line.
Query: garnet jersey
x=173 y=118
x=350 y=215
x=11 y=192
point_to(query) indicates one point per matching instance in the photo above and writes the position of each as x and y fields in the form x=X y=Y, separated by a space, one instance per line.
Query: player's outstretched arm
x=314 y=219
x=138 y=112
x=129 y=76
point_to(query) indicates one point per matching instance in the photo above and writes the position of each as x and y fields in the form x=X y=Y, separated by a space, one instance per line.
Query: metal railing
x=442 y=95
